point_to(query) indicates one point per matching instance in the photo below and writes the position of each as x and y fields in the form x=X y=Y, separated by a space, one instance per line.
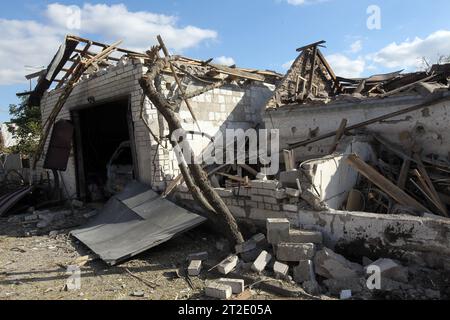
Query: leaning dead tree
x=195 y=177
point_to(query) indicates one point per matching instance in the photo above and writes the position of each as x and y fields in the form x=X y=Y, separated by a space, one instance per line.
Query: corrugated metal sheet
x=134 y=221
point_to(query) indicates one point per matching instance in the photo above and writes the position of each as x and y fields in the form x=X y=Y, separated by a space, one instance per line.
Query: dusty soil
x=34 y=268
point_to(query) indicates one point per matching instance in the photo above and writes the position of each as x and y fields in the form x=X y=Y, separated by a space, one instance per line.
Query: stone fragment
x=294 y=252
x=237 y=285
x=261 y=262
x=277 y=230
x=304 y=272
x=334 y=266
x=391 y=269
x=218 y=291
x=195 y=267
x=227 y=265
x=281 y=270
x=303 y=236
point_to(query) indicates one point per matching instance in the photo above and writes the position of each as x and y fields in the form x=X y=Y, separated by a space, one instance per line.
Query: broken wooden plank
x=403 y=177
x=244 y=180
x=384 y=184
x=339 y=135
x=249 y=169
x=177 y=80
x=429 y=183
x=313 y=69
x=390 y=93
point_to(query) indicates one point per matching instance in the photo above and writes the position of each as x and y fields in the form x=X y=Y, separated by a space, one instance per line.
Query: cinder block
x=303 y=236
x=293 y=252
x=277 y=230
x=261 y=262
x=218 y=290
x=304 y=271
x=270 y=184
x=227 y=265
x=195 y=267
x=281 y=270
x=237 y=285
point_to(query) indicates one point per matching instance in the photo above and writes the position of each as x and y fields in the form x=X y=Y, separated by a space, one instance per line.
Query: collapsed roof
x=312 y=80
x=76 y=51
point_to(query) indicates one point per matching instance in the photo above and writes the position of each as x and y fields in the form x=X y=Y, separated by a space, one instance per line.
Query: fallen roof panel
x=134 y=221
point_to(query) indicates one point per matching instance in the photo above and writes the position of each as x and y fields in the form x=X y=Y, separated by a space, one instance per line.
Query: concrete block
x=270 y=184
x=294 y=193
x=294 y=252
x=261 y=262
x=227 y=265
x=218 y=291
x=195 y=267
x=277 y=230
x=202 y=256
x=304 y=272
x=237 y=285
x=262 y=214
x=303 y=236
x=281 y=270
x=334 y=266
x=391 y=269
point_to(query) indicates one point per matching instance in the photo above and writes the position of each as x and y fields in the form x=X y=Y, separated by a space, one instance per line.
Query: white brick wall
x=228 y=107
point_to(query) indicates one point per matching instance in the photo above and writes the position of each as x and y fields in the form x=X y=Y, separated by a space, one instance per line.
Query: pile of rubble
x=299 y=257
x=43 y=222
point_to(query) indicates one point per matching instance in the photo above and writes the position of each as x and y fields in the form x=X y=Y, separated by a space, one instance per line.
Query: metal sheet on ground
x=133 y=222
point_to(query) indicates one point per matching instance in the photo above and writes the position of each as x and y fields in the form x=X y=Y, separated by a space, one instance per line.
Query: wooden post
x=338 y=136
x=183 y=94
x=313 y=69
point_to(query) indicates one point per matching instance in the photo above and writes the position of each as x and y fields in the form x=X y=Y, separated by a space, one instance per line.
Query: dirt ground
x=34 y=268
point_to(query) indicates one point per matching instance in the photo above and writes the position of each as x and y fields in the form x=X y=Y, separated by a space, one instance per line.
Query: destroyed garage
x=354 y=180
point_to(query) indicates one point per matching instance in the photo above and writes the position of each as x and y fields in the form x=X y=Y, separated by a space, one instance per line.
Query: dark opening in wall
x=105 y=160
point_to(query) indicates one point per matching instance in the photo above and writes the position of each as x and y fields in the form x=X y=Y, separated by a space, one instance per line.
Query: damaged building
x=364 y=162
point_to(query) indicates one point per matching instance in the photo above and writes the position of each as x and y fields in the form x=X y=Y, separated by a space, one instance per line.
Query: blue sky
x=251 y=33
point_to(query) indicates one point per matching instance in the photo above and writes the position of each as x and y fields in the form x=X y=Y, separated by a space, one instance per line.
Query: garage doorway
x=105 y=149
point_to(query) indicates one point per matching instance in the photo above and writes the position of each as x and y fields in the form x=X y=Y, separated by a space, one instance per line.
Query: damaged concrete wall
x=425 y=241
x=333 y=177
x=429 y=126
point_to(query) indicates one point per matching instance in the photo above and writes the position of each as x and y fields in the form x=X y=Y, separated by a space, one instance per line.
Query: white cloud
x=356 y=46
x=303 y=2
x=137 y=29
x=226 y=61
x=346 y=67
x=408 y=54
x=27 y=42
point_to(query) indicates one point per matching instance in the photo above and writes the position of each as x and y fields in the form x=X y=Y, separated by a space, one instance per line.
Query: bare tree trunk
x=196 y=179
